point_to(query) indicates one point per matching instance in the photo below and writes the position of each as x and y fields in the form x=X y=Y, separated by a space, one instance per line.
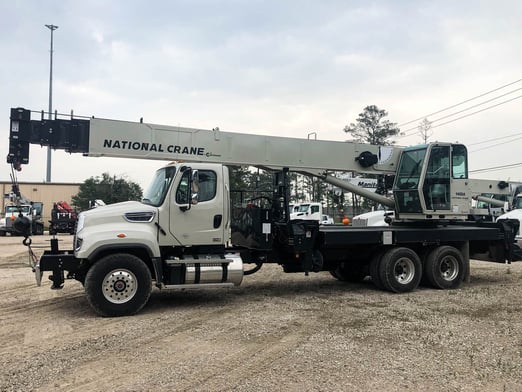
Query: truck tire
x=349 y=272
x=400 y=270
x=2 y=233
x=39 y=229
x=444 y=268
x=375 y=267
x=118 y=285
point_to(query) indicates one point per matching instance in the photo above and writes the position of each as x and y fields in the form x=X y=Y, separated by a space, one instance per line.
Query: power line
x=495 y=139
x=466 y=115
x=469 y=108
x=478 y=111
x=496 y=168
x=498 y=144
x=461 y=103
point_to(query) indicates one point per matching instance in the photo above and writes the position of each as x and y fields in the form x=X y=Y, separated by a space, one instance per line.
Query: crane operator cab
x=432 y=181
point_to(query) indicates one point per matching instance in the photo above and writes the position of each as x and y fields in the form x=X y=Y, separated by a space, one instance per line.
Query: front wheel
x=118 y=285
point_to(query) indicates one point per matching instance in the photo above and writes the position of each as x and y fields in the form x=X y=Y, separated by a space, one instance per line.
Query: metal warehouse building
x=47 y=193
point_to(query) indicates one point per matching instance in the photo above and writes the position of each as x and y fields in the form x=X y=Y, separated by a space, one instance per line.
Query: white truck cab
x=187 y=206
x=308 y=211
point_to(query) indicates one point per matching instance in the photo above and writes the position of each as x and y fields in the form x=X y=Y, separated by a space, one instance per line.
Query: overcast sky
x=269 y=67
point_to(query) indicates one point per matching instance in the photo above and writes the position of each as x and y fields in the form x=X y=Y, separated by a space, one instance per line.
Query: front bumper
x=58 y=263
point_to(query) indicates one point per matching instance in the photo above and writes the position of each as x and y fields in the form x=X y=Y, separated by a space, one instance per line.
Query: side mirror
x=190 y=193
x=194 y=187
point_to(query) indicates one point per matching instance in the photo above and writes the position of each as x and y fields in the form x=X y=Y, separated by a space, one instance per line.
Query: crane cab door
x=437 y=180
x=197 y=212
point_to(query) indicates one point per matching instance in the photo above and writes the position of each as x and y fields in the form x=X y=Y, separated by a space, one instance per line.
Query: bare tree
x=425 y=130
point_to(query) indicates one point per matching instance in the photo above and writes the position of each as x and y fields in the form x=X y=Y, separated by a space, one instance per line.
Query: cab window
x=459 y=161
x=206 y=187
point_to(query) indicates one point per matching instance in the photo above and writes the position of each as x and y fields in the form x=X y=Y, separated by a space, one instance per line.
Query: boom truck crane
x=183 y=235
x=21 y=210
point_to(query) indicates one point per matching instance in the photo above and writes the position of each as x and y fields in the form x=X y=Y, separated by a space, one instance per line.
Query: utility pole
x=52 y=28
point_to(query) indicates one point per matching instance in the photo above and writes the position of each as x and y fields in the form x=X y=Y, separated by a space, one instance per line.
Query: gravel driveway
x=276 y=332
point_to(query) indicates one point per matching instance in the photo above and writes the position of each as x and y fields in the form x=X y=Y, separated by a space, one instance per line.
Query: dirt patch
x=275 y=332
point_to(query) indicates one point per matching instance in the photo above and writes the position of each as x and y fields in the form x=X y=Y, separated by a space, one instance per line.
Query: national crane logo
x=152 y=147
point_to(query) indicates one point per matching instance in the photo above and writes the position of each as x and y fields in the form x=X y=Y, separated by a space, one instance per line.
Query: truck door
x=202 y=222
x=436 y=187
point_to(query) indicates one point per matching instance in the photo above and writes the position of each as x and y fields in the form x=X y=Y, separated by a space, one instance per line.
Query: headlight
x=77 y=243
x=80 y=223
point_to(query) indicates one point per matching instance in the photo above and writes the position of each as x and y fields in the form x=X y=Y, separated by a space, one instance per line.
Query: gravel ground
x=277 y=331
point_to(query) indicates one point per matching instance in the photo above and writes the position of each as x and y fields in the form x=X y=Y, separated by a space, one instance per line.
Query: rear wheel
x=444 y=268
x=118 y=285
x=400 y=270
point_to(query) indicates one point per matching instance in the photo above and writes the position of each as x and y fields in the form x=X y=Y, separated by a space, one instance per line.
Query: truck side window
x=207 y=186
x=459 y=161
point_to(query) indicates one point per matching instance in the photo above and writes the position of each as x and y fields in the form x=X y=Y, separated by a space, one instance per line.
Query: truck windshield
x=22 y=209
x=158 y=188
x=303 y=208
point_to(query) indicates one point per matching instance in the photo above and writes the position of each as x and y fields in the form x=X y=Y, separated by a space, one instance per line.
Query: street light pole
x=52 y=28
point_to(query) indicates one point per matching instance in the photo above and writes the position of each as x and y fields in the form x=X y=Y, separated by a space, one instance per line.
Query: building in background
x=47 y=193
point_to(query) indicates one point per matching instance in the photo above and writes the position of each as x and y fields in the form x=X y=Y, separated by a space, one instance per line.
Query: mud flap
x=512 y=251
x=38 y=274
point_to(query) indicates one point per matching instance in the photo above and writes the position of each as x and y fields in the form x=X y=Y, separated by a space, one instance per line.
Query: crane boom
x=431 y=180
x=111 y=138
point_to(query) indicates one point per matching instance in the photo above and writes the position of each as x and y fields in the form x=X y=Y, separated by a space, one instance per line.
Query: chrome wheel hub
x=119 y=286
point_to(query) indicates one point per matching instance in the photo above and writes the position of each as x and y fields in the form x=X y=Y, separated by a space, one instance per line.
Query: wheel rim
x=404 y=270
x=449 y=268
x=119 y=286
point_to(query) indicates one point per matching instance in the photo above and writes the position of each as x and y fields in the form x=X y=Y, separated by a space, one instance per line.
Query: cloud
x=258 y=67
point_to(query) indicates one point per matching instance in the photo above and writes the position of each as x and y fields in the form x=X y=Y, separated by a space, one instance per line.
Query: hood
x=118 y=213
x=515 y=214
x=119 y=208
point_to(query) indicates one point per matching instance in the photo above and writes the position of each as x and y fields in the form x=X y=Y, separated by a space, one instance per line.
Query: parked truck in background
x=516 y=212
x=31 y=212
x=182 y=234
x=63 y=218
